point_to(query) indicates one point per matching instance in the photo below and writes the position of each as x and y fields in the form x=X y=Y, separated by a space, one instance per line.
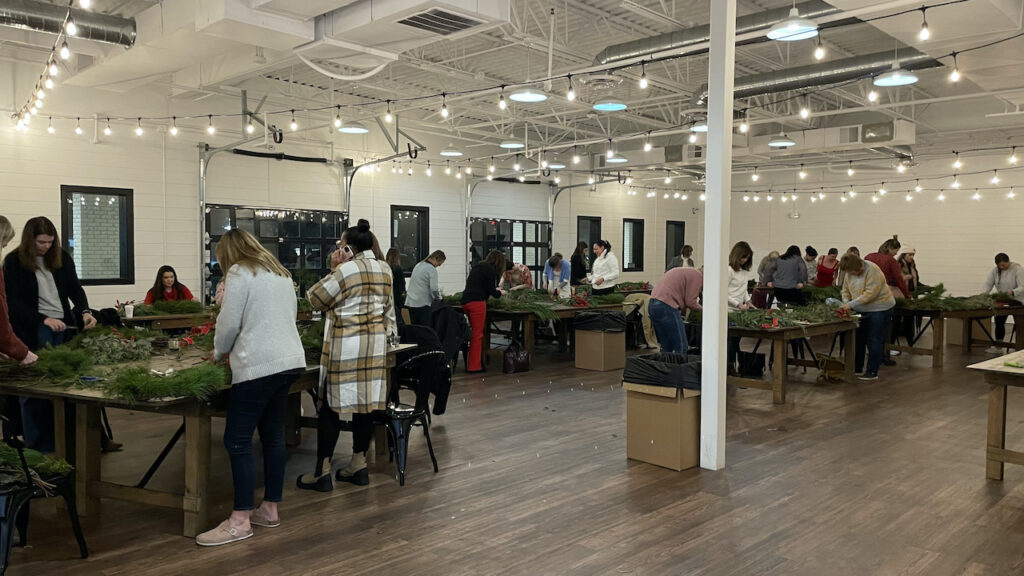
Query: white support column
x=716 y=233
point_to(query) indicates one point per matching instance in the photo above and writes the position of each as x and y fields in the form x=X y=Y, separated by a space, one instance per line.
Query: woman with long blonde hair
x=256 y=329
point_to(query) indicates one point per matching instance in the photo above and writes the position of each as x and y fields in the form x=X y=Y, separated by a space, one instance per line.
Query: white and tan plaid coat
x=359 y=305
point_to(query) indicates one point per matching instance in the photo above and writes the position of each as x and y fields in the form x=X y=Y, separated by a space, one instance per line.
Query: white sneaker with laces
x=995 y=350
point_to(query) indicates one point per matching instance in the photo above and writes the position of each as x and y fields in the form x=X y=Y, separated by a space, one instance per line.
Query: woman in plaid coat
x=358 y=300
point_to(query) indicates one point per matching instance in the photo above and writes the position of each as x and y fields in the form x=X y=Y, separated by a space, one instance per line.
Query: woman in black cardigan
x=481 y=284
x=41 y=285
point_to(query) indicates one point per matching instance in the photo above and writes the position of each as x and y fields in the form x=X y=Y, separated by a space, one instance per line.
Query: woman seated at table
x=167 y=287
x=557 y=274
x=518 y=277
x=358 y=300
x=865 y=291
x=256 y=330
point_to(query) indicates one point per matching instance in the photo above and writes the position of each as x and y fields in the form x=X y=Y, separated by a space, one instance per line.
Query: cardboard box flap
x=663 y=391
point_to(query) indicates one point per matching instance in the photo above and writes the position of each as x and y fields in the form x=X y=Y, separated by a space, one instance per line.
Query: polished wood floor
x=885 y=477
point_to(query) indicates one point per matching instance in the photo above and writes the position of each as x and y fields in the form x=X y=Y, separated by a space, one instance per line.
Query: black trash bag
x=751 y=364
x=600 y=321
x=671 y=370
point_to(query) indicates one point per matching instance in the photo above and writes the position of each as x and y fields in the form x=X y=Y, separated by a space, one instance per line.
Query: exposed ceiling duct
x=821 y=74
x=699 y=34
x=43 y=17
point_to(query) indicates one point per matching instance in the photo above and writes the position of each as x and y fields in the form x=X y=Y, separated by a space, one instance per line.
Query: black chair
x=399 y=418
x=15 y=494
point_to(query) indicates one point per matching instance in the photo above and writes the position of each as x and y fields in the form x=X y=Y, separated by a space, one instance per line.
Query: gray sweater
x=1010 y=281
x=256 y=325
x=789 y=272
x=422 y=290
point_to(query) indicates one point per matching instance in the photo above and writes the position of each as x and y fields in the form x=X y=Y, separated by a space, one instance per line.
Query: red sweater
x=183 y=294
x=891 y=269
x=9 y=343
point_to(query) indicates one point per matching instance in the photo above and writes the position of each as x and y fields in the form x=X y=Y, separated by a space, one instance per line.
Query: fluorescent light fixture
x=617 y=160
x=353 y=128
x=895 y=77
x=781 y=141
x=701 y=126
x=609 y=105
x=793 y=28
x=527 y=94
x=510 y=145
x=451 y=151
x=556 y=165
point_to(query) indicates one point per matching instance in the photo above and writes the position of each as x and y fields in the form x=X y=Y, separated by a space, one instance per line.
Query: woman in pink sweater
x=676 y=292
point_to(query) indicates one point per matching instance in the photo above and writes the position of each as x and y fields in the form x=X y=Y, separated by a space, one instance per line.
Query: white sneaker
x=894 y=352
x=995 y=350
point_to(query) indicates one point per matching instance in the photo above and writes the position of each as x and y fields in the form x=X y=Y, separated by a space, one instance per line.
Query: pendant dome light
x=451 y=151
x=793 y=28
x=528 y=95
x=352 y=127
x=609 y=105
x=896 y=76
x=781 y=141
x=512 y=144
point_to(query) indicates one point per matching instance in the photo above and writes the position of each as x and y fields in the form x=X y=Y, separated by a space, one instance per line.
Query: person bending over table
x=789 y=277
x=865 y=291
x=423 y=289
x=518 y=277
x=10 y=345
x=557 y=273
x=604 y=274
x=480 y=285
x=167 y=287
x=358 y=300
x=1006 y=279
x=677 y=291
x=41 y=284
x=256 y=329
x=740 y=258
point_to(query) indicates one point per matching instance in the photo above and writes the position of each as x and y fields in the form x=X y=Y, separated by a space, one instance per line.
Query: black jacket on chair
x=431 y=381
x=23 y=297
x=452 y=328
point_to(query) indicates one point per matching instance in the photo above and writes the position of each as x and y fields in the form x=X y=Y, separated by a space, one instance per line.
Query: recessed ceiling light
x=895 y=77
x=353 y=128
x=451 y=151
x=701 y=126
x=527 y=94
x=617 y=160
x=511 y=145
x=793 y=28
x=609 y=105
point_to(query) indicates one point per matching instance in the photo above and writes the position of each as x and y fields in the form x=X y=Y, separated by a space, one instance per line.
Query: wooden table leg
x=529 y=330
x=779 y=372
x=87 y=456
x=197 y=473
x=939 y=341
x=849 y=354
x=1018 y=329
x=996 y=429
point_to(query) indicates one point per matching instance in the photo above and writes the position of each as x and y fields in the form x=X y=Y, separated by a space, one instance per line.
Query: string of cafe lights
x=51 y=70
x=32 y=107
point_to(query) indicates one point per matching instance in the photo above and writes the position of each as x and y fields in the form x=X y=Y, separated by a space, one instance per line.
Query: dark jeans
x=37 y=413
x=1000 y=328
x=328 y=427
x=421 y=316
x=602 y=291
x=668 y=326
x=732 y=350
x=871 y=340
x=258 y=404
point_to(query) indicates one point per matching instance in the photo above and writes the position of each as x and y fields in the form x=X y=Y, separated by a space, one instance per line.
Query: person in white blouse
x=604 y=273
x=740 y=259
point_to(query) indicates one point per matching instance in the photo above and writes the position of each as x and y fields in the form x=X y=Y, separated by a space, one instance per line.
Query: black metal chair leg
x=400 y=429
x=21 y=521
x=6 y=531
x=430 y=446
x=67 y=490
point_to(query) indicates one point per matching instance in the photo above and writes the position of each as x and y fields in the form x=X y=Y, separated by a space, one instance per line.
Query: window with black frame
x=98 y=226
x=523 y=241
x=632 y=245
x=410 y=234
x=301 y=239
x=675 y=238
x=588 y=230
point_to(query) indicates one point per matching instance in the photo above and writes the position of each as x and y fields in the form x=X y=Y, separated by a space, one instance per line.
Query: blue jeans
x=871 y=339
x=668 y=326
x=262 y=404
x=37 y=413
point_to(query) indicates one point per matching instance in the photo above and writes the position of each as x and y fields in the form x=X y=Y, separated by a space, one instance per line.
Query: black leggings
x=328 y=427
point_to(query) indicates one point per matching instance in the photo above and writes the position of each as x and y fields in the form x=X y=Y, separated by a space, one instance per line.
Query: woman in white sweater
x=604 y=273
x=740 y=259
x=256 y=330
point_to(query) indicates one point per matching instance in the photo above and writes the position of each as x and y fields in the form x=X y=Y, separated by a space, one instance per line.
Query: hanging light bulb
x=575 y=156
x=522 y=178
x=429 y=171
x=448 y=167
x=805 y=113
x=387 y=115
x=138 y=128
x=54 y=70
x=409 y=172
x=693 y=138
x=469 y=170
x=941 y=196
x=393 y=168
x=78 y=126
x=849 y=169
x=668 y=178
x=843 y=198
x=490 y=177
x=249 y=126
x=1013 y=155
x=629 y=178
x=40 y=94
x=210 y=129
x=1011 y=195
x=590 y=180
x=85 y=4
x=954 y=76
x=819 y=50
x=957 y=164
x=977 y=195
x=821 y=194
x=517 y=166
x=755 y=176
x=995 y=177
x=33 y=111
x=853 y=192
x=917 y=186
x=501 y=100
x=802 y=174
x=703 y=197
x=50 y=128
x=925 y=33
x=48 y=83
x=610 y=151
x=757 y=196
x=882 y=191
x=744 y=127
x=337 y=118
x=70 y=27
x=874 y=198
x=558 y=180
x=793 y=196
x=746 y=197
x=570 y=94
x=444 y=105
x=543 y=161
x=647 y=143
x=901 y=167
x=872 y=96
x=643 y=76
x=490 y=167
x=106 y=129
x=293 y=125
x=784 y=199
x=768 y=197
x=956 y=182
x=65 y=52
x=909 y=196
x=174 y=126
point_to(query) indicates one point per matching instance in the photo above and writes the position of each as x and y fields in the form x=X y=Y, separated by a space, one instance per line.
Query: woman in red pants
x=481 y=284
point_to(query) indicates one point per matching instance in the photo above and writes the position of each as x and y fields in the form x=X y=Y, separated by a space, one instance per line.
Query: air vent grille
x=440 y=22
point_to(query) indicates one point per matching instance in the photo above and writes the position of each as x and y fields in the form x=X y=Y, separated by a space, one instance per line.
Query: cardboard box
x=663 y=425
x=601 y=351
x=955 y=330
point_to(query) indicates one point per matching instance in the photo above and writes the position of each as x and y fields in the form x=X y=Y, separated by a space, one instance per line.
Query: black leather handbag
x=515 y=359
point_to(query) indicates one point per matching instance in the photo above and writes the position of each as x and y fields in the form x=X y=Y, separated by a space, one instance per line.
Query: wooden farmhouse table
x=936 y=320
x=779 y=338
x=999 y=378
x=525 y=323
x=78 y=428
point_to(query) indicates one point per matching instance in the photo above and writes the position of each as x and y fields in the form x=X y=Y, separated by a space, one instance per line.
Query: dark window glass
x=522 y=241
x=675 y=238
x=632 y=245
x=410 y=234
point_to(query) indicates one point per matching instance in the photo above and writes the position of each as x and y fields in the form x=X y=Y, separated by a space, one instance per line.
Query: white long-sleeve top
x=737 y=293
x=605 y=266
x=1012 y=280
x=256 y=325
